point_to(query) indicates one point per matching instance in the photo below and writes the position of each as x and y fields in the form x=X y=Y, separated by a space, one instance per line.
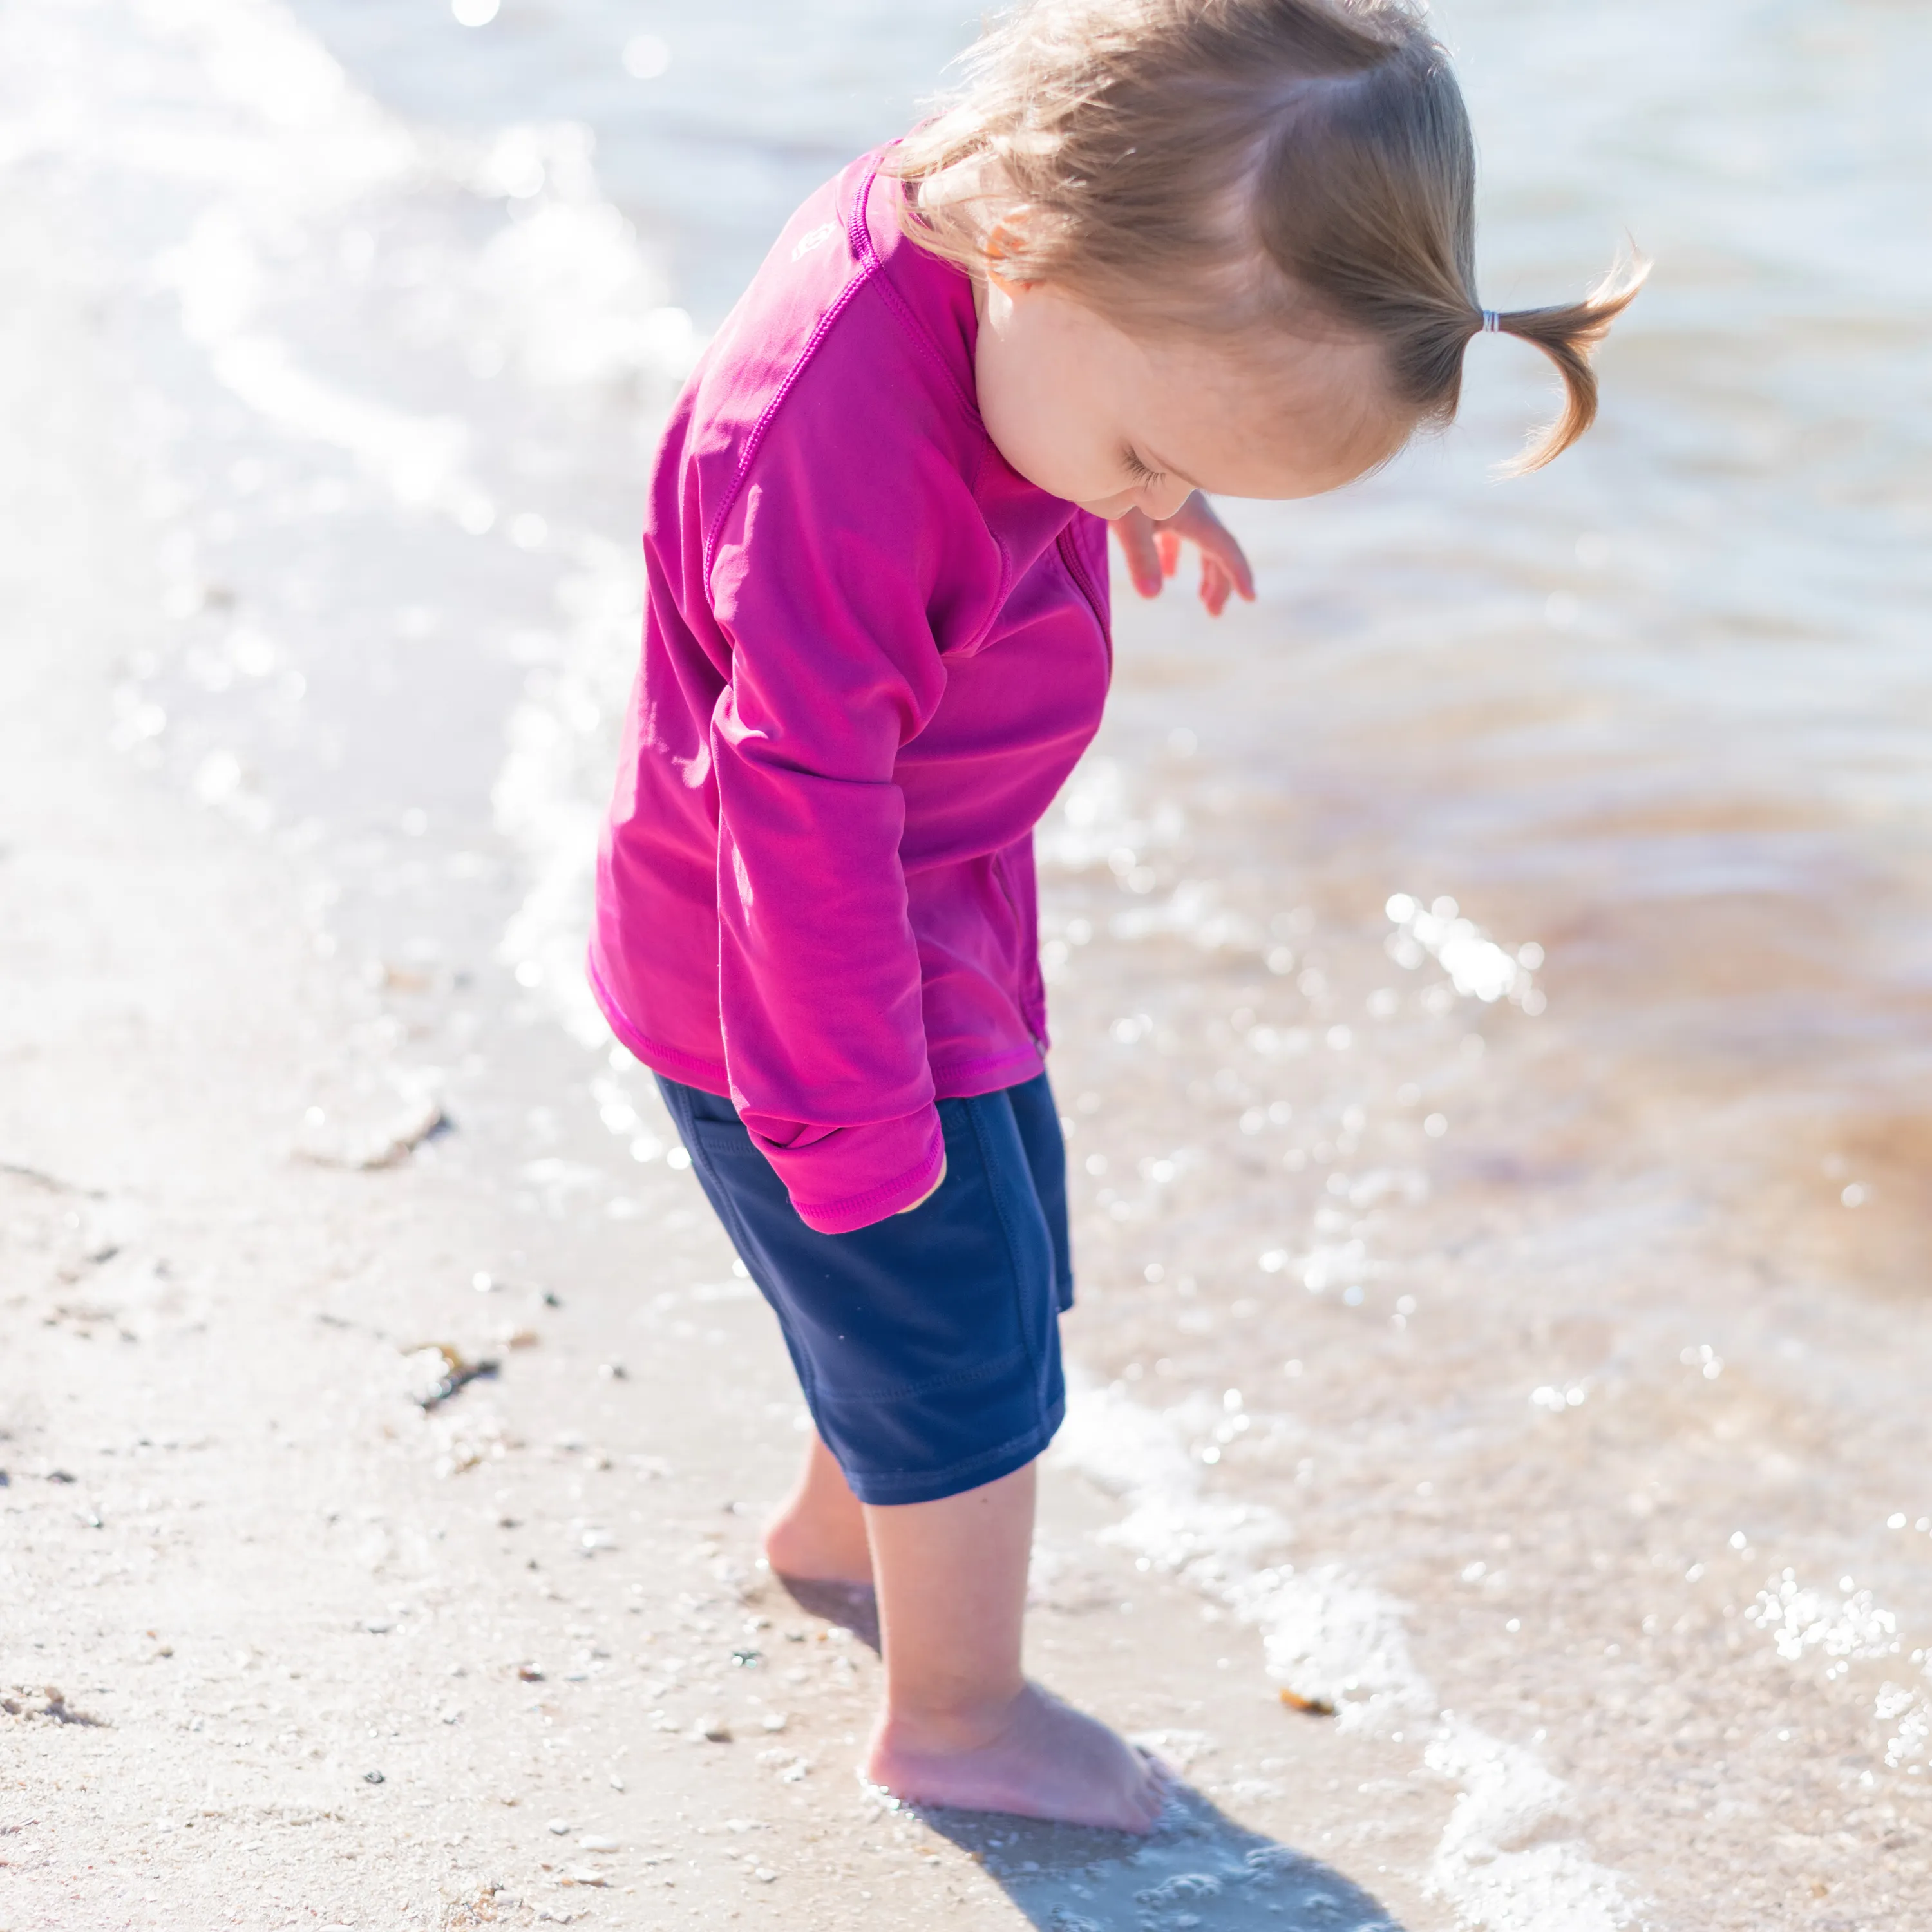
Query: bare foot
x=808 y=1547
x=819 y=1535
x=1036 y=1756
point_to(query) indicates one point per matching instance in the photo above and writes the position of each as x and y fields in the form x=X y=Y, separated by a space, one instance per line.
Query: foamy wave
x=1326 y=1635
x=550 y=795
x=270 y=153
x=1847 y=1623
x=576 y=299
x=1502 y=1863
x=1498 y=1862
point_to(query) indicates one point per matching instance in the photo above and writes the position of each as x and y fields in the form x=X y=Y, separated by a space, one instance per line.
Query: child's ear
x=1006 y=250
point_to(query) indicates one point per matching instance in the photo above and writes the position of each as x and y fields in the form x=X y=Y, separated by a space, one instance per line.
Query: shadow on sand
x=847 y=1606
x=1199 y=1871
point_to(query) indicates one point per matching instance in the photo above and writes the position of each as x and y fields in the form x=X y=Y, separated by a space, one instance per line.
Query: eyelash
x=1139 y=471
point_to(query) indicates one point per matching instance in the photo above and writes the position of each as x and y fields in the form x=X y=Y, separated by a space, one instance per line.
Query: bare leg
x=818 y=1535
x=962 y=1725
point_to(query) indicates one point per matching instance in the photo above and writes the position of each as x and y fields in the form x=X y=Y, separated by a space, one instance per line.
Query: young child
x=1157 y=247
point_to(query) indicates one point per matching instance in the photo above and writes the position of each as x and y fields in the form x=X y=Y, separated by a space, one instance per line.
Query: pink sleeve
x=820 y=580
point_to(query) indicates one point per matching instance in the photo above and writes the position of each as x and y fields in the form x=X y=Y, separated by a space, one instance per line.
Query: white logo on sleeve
x=816 y=238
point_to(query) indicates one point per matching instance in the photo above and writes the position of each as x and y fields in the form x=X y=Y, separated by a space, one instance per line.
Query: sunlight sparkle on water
x=1477 y=966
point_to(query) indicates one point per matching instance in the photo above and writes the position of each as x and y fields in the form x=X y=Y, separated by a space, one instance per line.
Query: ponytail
x=1568 y=333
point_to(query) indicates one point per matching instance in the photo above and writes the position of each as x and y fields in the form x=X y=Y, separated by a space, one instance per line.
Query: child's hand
x=929 y=1193
x=1153 y=552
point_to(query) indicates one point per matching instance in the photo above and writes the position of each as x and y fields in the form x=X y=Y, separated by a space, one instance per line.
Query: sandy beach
x=1489 y=981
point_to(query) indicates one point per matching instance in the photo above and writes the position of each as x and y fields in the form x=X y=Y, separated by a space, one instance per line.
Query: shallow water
x=1531 y=1345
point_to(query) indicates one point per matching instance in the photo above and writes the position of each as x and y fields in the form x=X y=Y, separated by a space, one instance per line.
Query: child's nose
x=1164 y=500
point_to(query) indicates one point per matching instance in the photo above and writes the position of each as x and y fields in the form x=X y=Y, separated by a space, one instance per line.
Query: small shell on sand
x=367 y=1147
x=437 y=1370
x=1314 y=1707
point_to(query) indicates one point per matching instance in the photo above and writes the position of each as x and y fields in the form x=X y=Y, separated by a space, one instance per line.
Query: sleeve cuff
x=831 y=1179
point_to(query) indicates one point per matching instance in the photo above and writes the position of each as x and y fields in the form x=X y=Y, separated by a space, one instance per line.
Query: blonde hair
x=1237 y=167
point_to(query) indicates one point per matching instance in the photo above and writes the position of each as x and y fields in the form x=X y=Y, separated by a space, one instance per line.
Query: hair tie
x=1492 y=322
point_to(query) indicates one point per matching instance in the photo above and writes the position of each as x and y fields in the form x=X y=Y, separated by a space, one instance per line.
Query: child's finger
x=1215 y=585
x=1234 y=561
x=1138 y=549
x=915 y=1206
x=1169 y=544
x=1218 y=541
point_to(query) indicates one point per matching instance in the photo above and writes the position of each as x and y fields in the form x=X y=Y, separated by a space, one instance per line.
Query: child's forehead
x=1269 y=420
x=1270 y=374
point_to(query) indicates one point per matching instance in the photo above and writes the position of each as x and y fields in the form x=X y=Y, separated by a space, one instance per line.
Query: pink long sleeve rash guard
x=872 y=654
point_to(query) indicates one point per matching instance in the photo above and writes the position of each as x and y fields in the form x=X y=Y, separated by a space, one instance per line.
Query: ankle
x=787 y=1540
x=798 y=1543
x=955 y=1721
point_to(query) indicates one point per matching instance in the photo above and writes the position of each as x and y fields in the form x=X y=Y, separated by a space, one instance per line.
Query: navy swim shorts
x=928 y=1345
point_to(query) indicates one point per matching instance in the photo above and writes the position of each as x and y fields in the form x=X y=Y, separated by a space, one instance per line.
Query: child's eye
x=1141 y=472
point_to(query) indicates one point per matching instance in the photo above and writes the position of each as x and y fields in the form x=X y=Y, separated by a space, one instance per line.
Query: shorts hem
x=888 y=1487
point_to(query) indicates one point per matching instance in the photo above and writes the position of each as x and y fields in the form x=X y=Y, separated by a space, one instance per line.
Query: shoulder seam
x=748 y=454
x=861 y=237
x=922 y=339
x=871 y=273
